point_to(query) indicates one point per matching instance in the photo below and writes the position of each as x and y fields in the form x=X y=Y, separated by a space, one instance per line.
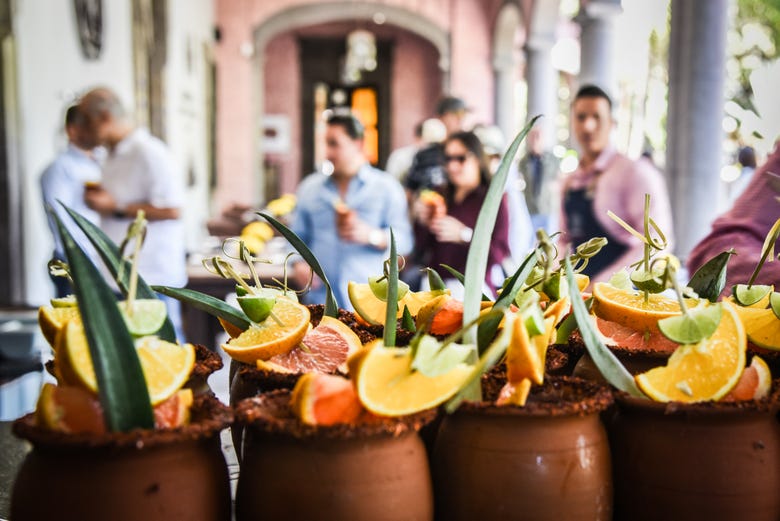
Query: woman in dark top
x=444 y=238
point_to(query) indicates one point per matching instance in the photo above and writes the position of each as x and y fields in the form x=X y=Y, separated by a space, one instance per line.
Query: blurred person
x=747 y=160
x=139 y=173
x=443 y=235
x=744 y=227
x=427 y=133
x=539 y=169
x=427 y=169
x=65 y=179
x=607 y=180
x=345 y=218
x=521 y=228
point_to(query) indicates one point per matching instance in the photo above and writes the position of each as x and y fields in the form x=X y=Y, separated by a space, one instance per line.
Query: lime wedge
x=534 y=321
x=553 y=288
x=650 y=281
x=698 y=324
x=774 y=303
x=257 y=307
x=144 y=317
x=378 y=287
x=64 y=302
x=240 y=290
x=749 y=295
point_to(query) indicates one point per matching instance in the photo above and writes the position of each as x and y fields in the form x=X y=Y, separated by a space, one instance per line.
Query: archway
x=315 y=14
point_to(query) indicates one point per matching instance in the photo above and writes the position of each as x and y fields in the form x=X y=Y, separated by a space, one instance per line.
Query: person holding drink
x=345 y=217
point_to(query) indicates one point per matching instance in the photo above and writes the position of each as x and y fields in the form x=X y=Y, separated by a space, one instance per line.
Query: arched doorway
x=320 y=19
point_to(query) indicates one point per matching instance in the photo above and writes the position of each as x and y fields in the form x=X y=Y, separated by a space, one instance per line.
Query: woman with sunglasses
x=444 y=237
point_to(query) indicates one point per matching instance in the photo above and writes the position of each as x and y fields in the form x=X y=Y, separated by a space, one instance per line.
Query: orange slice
x=628 y=307
x=523 y=358
x=373 y=310
x=325 y=349
x=387 y=386
x=270 y=338
x=761 y=326
x=52 y=319
x=166 y=366
x=705 y=371
x=323 y=399
x=230 y=329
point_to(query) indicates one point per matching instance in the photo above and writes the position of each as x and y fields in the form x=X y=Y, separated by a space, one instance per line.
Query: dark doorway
x=322 y=87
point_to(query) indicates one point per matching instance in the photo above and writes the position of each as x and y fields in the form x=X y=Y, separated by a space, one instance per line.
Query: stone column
x=597 y=43
x=697 y=56
x=506 y=71
x=542 y=80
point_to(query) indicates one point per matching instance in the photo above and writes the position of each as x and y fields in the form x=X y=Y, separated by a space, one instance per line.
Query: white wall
x=190 y=31
x=52 y=73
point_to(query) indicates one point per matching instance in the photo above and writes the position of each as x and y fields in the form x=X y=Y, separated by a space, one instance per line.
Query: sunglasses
x=460 y=159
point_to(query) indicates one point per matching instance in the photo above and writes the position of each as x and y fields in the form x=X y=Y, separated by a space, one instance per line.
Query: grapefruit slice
x=628 y=338
x=69 y=409
x=441 y=316
x=754 y=384
x=175 y=411
x=325 y=349
x=323 y=399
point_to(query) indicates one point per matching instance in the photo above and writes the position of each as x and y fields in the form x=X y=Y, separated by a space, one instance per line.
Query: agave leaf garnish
x=122 y=388
x=610 y=367
x=391 y=311
x=331 y=306
x=207 y=303
x=476 y=261
x=119 y=267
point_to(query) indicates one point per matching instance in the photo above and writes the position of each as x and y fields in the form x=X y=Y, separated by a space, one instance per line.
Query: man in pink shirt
x=608 y=180
x=745 y=227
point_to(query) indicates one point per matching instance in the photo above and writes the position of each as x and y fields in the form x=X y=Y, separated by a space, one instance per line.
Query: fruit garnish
x=51 y=320
x=774 y=303
x=704 y=371
x=762 y=326
x=378 y=287
x=442 y=315
x=746 y=295
x=143 y=316
x=693 y=326
x=68 y=301
x=628 y=338
x=166 y=366
x=323 y=399
x=69 y=409
x=175 y=411
x=373 y=310
x=327 y=348
x=257 y=308
x=434 y=358
x=629 y=307
x=270 y=338
x=388 y=386
x=754 y=383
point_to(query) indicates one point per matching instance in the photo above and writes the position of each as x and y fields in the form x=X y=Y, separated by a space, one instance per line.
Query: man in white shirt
x=64 y=180
x=139 y=174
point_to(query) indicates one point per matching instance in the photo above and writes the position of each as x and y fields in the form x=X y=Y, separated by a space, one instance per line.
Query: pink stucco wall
x=469 y=23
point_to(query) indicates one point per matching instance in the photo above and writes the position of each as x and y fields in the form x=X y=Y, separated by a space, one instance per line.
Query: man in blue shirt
x=65 y=180
x=345 y=217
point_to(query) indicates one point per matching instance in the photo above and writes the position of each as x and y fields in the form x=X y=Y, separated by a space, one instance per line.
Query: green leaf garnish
x=460 y=278
x=774 y=303
x=569 y=324
x=610 y=367
x=710 y=279
x=749 y=295
x=113 y=260
x=407 y=321
x=122 y=388
x=434 y=280
x=392 y=295
x=433 y=359
x=692 y=327
x=331 y=306
x=476 y=261
x=211 y=305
